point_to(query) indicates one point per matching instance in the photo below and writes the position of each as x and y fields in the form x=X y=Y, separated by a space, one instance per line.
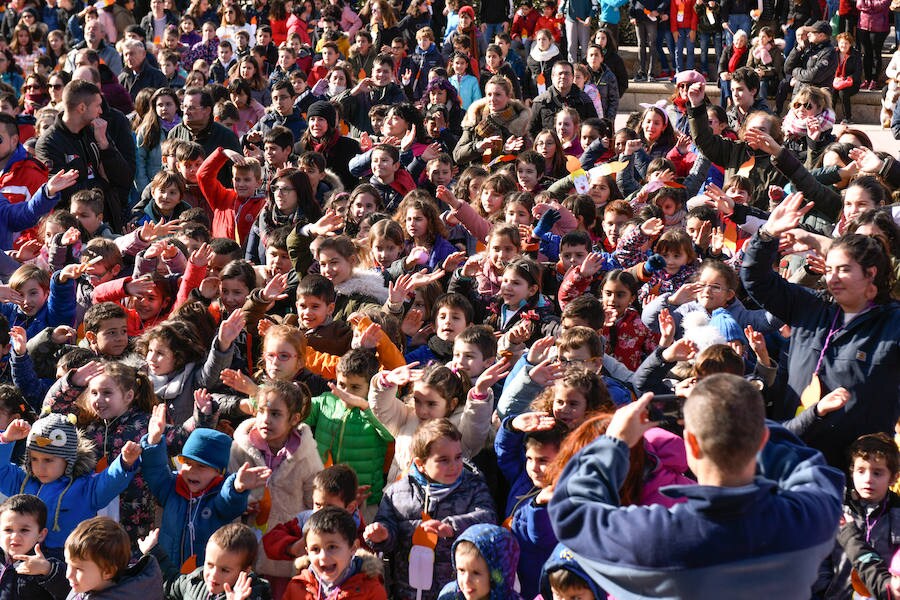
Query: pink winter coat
x=874 y=15
x=667 y=449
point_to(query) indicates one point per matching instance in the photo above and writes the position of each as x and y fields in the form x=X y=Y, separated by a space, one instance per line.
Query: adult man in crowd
x=138 y=74
x=79 y=140
x=94 y=39
x=198 y=126
x=758 y=528
x=562 y=93
x=378 y=89
x=813 y=61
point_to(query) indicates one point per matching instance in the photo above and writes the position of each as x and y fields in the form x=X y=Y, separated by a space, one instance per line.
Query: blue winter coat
x=530 y=521
x=609 y=10
x=58 y=310
x=219 y=505
x=69 y=500
x=499 y=551
x=762 y=540
x=863 y=357
x=23 y=215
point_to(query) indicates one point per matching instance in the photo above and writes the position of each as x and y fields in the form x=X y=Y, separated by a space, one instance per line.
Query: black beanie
x=325 y=110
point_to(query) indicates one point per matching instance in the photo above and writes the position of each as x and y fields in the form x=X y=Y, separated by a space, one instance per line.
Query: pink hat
x=689 y=77
x=467 y=10
x=895 y=564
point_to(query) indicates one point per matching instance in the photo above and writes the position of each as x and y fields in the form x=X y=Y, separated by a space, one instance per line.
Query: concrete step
x=866 y=104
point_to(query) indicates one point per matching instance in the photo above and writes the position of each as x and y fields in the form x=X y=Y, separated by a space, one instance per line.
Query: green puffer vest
x=351 y=436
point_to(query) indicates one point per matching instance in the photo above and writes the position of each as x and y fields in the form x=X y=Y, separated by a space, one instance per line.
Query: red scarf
x=181 y=487
x=842 y=65
x=327 y=143
x=735 y=60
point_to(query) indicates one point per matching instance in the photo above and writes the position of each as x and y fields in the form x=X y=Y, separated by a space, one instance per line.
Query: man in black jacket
x=79 y=140
x=138 y=74
x=813 y=61
x=199 y=126
x=563 y=93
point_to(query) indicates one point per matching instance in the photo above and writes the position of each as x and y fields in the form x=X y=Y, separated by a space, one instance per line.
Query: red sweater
x=688 y=15
x=524 y=26
x=232 y=217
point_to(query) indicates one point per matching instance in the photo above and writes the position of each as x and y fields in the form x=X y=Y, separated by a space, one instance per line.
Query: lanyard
x=831 y=333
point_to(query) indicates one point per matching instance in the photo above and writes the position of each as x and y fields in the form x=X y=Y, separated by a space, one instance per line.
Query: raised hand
x=717 y=241
x=412 y=322
x=424 y=277
x=787 y=215
x=474 y=265
x=242 y=588
x=140 y=286
x=32 y=564
x=231 y=328
x=591 y=264
x=685 y=294
x=533 y=421
x=7 y=294
x=453 y=261
x=867 y=160
x=666 y=328
x=680 y=351
x=146 y=544
x=157 y=424
x=27 y=251
x=202 y=255
x=209 y=287
x=430 y=152
x=540 y=350
x=327 y=224
x=367 y=338
x=235 y=157
x=63 y=334
x=399 y=291
x=492 y=375
x=275 y=288
x=760 y=140
x=403 y=375
x=203 y=401
x=514 y=145
x=62 y=180
x=250 y=478
x=73 y=271
x=18 y=338
x=652 y=227
x=439 y=528
x=70 y=236
x=520 y=332
x=446 y=196
x=832 y=401
x=350 y=400
x=155 y=249
x=815 y=262
x=17 y=430
x=131 y=451
x=408 y=138
x=82 y=375
x=697 y=93
x=239 y=382
x=546 y=372
x=630 y=422
x=758 y=344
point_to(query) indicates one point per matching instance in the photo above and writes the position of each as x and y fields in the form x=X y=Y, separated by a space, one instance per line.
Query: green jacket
x=351 y=436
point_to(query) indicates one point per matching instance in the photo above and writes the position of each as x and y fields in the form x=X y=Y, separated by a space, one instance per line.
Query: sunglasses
x=806 y=105
x=32 y=87
x=56 y=86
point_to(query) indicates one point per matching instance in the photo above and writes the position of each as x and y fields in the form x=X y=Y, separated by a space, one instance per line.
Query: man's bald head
x=87 y=74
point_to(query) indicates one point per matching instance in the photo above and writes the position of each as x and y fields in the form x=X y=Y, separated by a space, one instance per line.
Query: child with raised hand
x=437 y=393
x=174 y=361
x=334 y=566
x=437 y=495
x=346 y=429
x=112 y=402
x=504 y=243
x=356 y=287
x=226 y=574
x=526 y=444
x=59 y=468
x=23 y=523
x=452 y=314
x=199 y=498
x=278 y=438
x=672 y=263
x=35 y=300
x=485 y=558
x=425 y=235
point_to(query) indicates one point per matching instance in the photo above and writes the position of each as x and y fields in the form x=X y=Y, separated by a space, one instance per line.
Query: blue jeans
x=736 y=22
x=490 y=31
x=897 y=27
x=790 y=40
x=726 y=91
x=664 y=36
x=705 y=39
x=684 y=40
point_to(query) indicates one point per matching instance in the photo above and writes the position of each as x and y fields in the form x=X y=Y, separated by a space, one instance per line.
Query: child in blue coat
x=59 y=469
x=201 y=497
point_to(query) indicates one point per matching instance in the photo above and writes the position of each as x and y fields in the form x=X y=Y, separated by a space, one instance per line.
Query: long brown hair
x=149 y=129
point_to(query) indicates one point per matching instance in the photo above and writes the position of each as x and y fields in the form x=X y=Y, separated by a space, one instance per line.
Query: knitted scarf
x=735 y=61
x=761 y=53
x=324 y=145
x=796 y=127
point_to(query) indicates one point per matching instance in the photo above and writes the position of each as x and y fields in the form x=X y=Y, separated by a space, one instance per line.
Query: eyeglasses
x=574 y=362
x=279 y=357
x=282 y=189
x=711 y=287
x=806 y=105
x=57 y=86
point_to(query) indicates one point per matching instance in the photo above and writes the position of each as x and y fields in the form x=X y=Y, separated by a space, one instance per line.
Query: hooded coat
x=563 y=558
x=142 y=580
x=367 y=583
x=500 y=552
x=479 y=123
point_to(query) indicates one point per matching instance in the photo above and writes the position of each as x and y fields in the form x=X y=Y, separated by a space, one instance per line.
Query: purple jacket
x=874 y=15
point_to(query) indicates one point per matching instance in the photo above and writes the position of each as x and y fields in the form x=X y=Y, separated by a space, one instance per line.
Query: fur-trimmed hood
x=369 y=564
x=333 y=180
x=517 y=125
x=365 y=282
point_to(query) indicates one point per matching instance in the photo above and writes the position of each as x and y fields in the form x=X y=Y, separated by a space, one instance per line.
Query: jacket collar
x=722 y=500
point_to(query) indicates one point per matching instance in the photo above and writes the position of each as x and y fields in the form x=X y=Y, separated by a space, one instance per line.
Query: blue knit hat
x=723 y=321
x=208 y=447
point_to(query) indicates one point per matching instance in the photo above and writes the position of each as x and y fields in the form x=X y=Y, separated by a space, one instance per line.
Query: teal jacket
x=351 y=436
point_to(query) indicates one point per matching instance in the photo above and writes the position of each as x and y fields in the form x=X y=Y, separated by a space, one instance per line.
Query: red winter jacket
x=232 y=218
x=524 y=26
x=688 y=16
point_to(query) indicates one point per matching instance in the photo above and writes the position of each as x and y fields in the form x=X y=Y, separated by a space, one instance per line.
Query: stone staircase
x=866 y=104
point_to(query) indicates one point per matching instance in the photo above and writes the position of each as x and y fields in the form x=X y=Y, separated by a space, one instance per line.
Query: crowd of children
x=305 y=300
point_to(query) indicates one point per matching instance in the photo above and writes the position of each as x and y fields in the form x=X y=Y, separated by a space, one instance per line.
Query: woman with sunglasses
x=808 y=123
x=56 y=84
x=233 y=20
x=36 y=95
